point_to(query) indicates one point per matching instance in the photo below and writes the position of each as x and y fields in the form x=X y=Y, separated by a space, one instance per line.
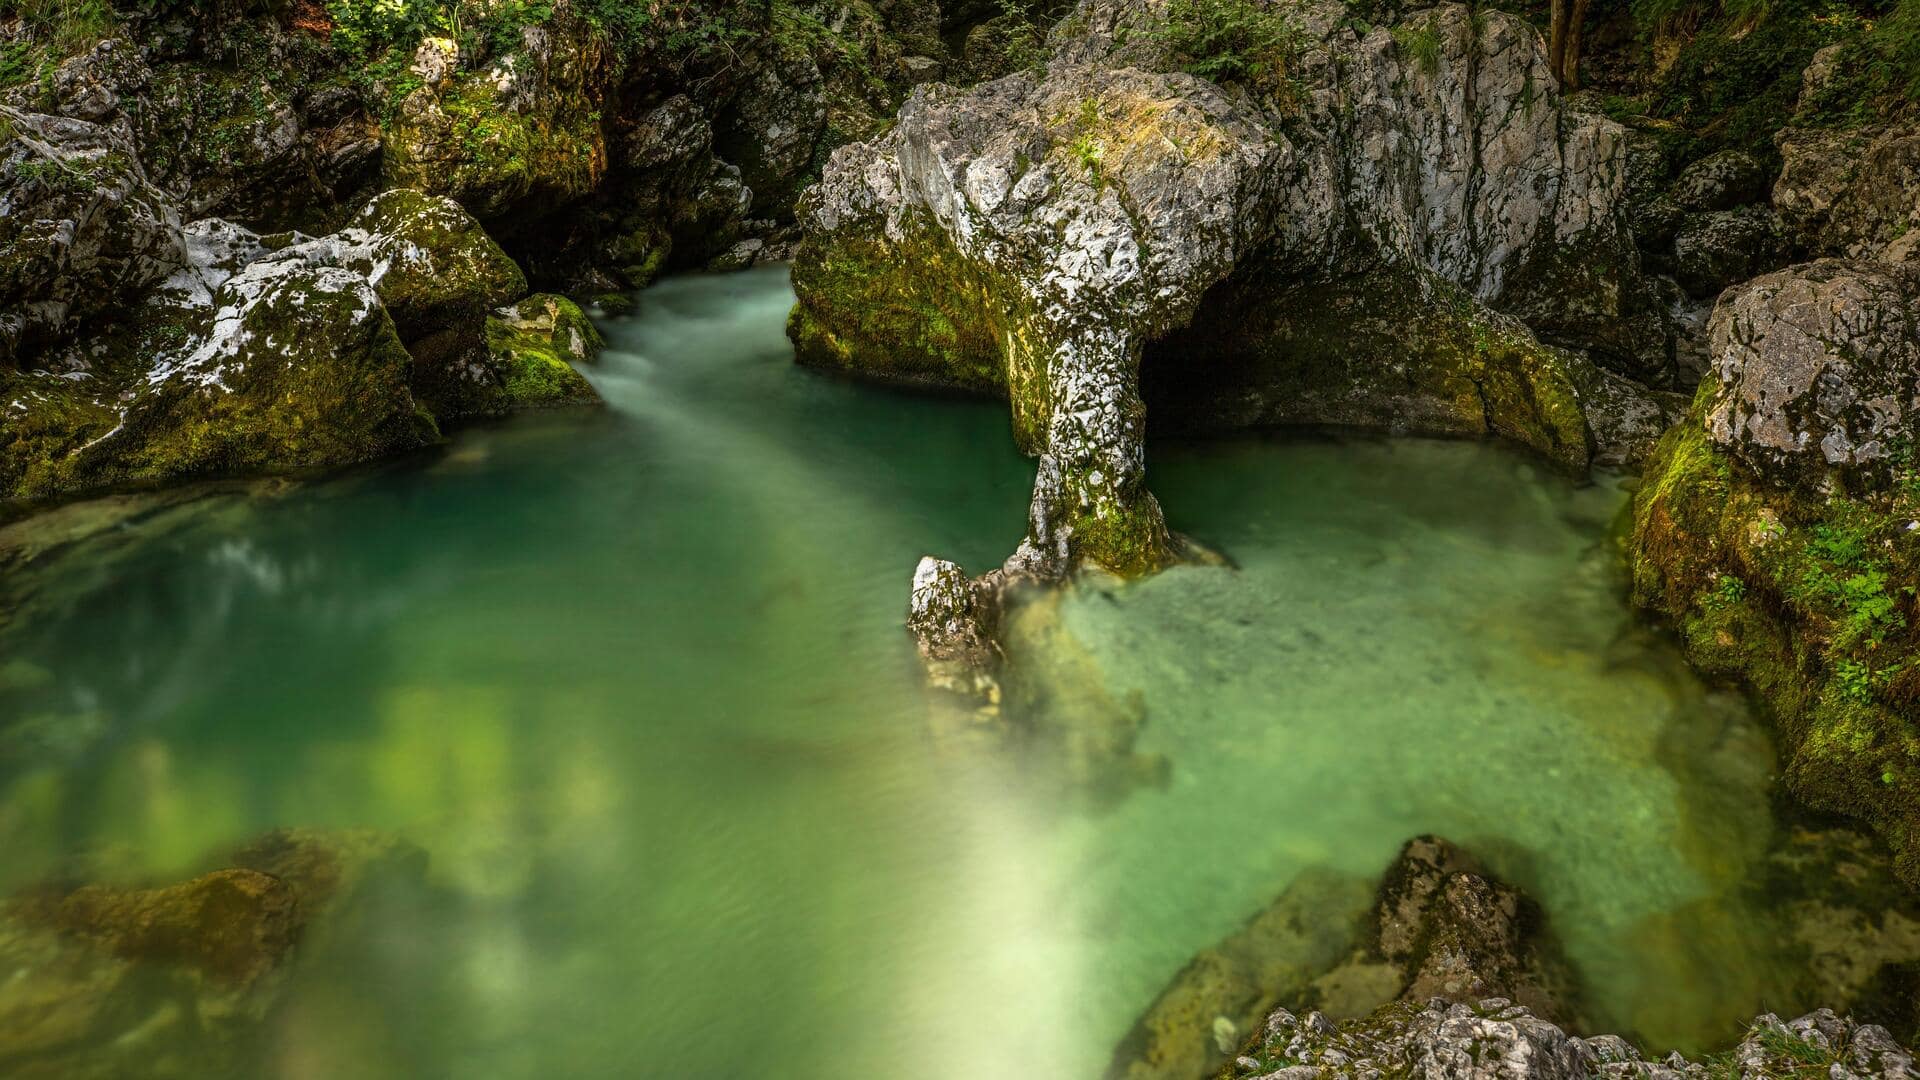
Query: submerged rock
x=1439 y=929
x=174 y=980
x=233 y=924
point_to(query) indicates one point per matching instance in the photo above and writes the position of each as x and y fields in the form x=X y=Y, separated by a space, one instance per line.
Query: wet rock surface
x=1495 y=1038
x=172 y=980
x=1439 y=927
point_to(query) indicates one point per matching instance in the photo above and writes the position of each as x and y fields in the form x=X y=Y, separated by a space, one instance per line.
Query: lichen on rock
x=1774 y=528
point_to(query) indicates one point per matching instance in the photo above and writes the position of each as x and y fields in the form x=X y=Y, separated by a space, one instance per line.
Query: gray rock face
x=1496 y=1040
x=1715 y=249
x=1851 y=193
x=1815 y=369
x=1721 y=181
x=81 y=229
x=1060 y=222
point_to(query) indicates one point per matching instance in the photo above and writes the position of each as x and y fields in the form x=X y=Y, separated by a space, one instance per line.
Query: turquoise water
x=635 y=681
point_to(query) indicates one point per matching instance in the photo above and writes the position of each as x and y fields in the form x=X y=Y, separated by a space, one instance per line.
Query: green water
x=636 y=682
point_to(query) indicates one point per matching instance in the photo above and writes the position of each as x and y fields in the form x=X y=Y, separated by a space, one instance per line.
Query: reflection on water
x=635 y=681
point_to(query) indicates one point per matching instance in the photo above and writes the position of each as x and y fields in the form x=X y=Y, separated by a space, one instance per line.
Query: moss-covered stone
x=472 y=145
x=534 y=347
x=288 y=367
x=1806 y=598
x=1402 y=352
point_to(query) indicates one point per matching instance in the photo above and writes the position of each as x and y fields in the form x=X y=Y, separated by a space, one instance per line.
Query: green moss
x=534 y=351
x=945 y=323
x=1391 y=352
x=469 y=145
x=1820 y=627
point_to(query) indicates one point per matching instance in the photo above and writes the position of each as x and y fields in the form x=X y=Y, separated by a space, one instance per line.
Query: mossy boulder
x=1774 y=529
x=534 y=346
x=282 y=365
x=438 y=274
x=521 y=132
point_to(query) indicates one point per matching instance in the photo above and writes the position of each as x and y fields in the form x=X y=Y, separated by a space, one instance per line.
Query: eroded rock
x=1034 y=236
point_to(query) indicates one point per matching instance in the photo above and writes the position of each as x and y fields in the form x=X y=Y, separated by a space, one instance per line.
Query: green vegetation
x=55 y=30
x=1821 y=625
x=1789 y=1057
x=1086 y=148
x=65 y=26
x=1230 y=41
x=1728 y=73
x=1421 y=44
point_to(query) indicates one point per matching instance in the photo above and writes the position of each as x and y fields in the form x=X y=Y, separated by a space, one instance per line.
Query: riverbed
x=635 y=680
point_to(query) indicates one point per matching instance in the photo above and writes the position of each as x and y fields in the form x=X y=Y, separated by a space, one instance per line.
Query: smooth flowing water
x=635 y=681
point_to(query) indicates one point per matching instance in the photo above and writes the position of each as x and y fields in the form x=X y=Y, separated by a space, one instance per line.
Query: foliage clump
x=1230 y=41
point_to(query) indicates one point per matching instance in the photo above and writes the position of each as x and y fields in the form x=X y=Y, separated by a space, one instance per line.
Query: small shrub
x=1421 y=44
x=1086 y=147
x=1230 y=40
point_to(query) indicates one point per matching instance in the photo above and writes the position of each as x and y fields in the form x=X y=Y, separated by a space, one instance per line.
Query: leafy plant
x=65 y=26
x=1727 y=592
x=1229 y=40
x=1421 y=44
x=1086 y=147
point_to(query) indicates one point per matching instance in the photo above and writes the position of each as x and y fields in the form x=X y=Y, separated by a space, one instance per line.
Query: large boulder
x=1815 y=369
x=1715 y=249
x=1852 y=193
x=1773 y=529
x=263 y=354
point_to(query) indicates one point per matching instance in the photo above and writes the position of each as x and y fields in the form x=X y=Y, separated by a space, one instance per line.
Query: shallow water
x=636 y=682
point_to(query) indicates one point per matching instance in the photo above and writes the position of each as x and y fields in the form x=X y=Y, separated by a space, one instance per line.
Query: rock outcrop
x=1379 y=240
x=1495 y=1039
x=1774 y=528
x=1439 y=928
x=137 y=348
